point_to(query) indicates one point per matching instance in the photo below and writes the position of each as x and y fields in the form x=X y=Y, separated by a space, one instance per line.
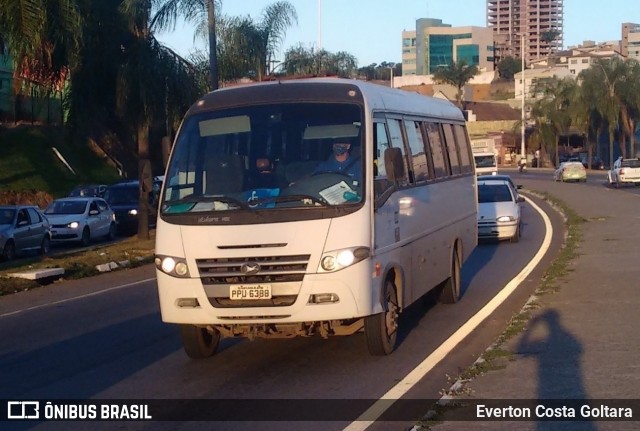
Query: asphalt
x=582 y=343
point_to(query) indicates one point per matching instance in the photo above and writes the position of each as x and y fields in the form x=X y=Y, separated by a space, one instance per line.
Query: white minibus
x=486 y=163
x=306 y=207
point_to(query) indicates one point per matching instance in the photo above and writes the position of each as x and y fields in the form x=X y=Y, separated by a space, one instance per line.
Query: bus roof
x=377 y=96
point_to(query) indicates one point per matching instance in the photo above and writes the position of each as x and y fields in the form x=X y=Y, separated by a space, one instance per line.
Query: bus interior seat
x=224 y=174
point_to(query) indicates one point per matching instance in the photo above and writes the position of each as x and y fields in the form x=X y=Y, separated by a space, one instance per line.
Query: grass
x=79 y=264
x=28 y=162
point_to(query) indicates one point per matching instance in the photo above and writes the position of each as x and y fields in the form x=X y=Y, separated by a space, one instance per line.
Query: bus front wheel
x=381 y=330
x=198 y=342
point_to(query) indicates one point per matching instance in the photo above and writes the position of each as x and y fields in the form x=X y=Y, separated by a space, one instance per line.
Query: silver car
x=81 y=219
x=23 y=228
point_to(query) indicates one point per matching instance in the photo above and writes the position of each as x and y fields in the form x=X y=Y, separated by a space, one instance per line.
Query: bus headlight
x=173 y=266
x=338 y=259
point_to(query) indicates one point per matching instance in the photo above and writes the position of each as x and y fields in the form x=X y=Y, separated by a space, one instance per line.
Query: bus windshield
x=285 y=155
x=485 y=161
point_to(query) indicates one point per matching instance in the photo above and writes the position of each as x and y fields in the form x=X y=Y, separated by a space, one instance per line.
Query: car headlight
x=133 y=212
x=339 y=259
x=504 y=219
x=173 y=266
x=73 y=225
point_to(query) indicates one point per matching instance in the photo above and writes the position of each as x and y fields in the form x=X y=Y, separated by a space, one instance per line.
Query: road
x=103 y=338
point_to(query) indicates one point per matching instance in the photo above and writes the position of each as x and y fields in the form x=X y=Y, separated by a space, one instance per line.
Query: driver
x=341 y=161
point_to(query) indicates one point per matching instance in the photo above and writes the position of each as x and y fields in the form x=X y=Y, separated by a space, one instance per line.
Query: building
x=434 y=44
x=536 y=20
x=630 y=43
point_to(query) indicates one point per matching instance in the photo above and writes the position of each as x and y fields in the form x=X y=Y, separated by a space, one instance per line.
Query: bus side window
x=395 y=132
x=463 y=148
x=419 y=162
x=381 y=143
x=452 y=149
x=437 y=150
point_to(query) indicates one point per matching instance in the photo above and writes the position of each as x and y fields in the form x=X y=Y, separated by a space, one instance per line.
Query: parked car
x=124 y=199
x=95 y=190
x=81 y=220
x=499 y=214
x=570 y=171
x=23 y=228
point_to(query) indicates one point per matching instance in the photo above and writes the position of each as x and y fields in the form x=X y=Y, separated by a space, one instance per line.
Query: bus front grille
x=262 y=269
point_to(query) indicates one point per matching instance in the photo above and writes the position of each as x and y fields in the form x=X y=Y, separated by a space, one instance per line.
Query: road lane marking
x=62 y=301
x=411 y=379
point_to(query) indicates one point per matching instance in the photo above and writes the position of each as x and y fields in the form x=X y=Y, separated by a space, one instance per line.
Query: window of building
x=406 y=42
x=470 y=54
x=575 y=61
x=585 y=60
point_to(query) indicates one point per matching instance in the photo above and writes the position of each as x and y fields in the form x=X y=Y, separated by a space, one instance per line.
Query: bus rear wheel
x=381 y=330
x=451 y=289
x=198 y=342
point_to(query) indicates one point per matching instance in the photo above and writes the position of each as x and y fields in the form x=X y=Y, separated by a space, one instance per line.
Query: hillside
x=28 y=162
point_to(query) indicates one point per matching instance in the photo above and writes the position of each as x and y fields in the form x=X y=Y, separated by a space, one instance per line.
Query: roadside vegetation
x=28 y=162
x=128 y=253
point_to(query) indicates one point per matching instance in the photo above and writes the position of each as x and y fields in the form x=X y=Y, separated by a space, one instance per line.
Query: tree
x=508 y=67
x=550 y=112
x=43 y=38
x=152 y=79
x=246 y=42
x=302 y=61
x=456 y=74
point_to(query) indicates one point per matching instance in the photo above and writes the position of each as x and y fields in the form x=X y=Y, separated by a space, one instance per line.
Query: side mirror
x=519 y=199
x=393 y=164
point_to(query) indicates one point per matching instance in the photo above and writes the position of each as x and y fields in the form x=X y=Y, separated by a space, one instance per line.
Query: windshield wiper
x=289 y=198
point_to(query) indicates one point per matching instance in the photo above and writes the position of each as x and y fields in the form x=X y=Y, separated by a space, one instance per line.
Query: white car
x=80 y=219
x=498 y=210
x=572 y=170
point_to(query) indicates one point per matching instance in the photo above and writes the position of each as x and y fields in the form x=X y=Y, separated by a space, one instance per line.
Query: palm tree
x=456 y=74
x=611 y=73
x=152 y=79
x=246 y=40
x=43 y=38
x=550 y=111
x=585 y=117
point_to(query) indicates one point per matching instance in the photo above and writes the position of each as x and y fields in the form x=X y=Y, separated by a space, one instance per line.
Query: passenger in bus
x=265 y=177
x=340 y=160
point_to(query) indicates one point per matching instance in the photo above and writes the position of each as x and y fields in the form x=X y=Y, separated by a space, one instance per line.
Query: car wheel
x=45 y=246
x=112 y=232
x=198 y=342
x=381 y=330
x=9 y=251
x=516 y=236
x=86 y=237
x=450 y=293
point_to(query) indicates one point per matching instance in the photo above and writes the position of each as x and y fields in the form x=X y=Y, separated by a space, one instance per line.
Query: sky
x=371 y=30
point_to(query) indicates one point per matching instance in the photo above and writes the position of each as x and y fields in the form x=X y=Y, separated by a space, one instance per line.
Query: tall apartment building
x=434 y=44
x=630 y=43
x=536 y=20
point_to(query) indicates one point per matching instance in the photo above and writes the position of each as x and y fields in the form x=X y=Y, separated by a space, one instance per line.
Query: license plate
x=258 y=291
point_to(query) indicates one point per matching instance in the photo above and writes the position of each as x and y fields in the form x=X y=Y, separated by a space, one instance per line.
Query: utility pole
x=524 y=86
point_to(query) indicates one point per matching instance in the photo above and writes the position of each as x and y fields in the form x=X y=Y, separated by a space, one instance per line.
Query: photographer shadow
x=560 y=379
